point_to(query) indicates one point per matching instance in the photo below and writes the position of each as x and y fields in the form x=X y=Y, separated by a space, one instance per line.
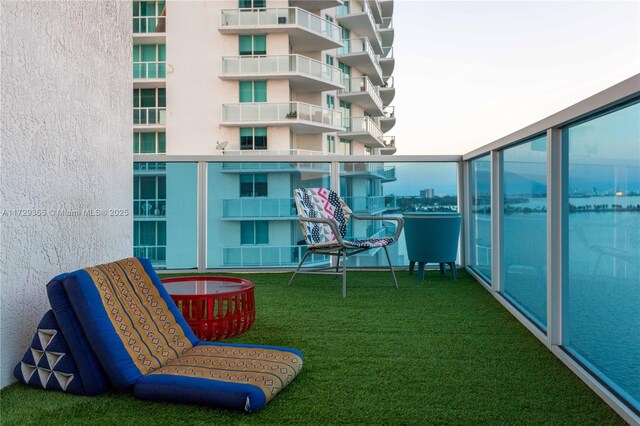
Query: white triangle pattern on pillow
x=46 y=336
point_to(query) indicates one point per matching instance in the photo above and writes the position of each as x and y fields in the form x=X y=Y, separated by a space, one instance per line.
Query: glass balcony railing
x=388 y=83
x=389 y=112
x=148 y=24
x=387 y=53
x=362 y=125
x=360 y=45
x=389 y=142
x=362 y=85
x=149 y=116
x=147 y=70
x=281 y=64
x=386 y=23
x=269 y=112
x=268 y=256
x=259 y=207
x=280 y=16
x=153 y=208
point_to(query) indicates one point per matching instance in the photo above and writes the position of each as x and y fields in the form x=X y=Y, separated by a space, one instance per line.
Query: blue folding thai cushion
x=50 y=364
x=142 y=339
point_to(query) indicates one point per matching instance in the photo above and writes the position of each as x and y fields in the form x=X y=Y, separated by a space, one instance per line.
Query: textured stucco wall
x=66 y=108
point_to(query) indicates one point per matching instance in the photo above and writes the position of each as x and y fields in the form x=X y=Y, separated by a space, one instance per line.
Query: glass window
x=252 y=45
x=329 y=59
x=346 y=69
x=254 y=232
x=525 y=219
x=253 y=185
x=330 y=144
x=331 y=102
x=251 y=4
x=601 y=297
x=149 y=143
x=345 y=147
x=480 y=220
x=253 y=138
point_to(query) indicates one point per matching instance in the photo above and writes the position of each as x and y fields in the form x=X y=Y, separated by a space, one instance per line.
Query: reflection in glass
x=165 y=214
x=601 y=298
x=480 y=215
x=525 y=228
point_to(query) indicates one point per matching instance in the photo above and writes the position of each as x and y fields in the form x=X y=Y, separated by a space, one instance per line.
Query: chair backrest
x=131 y=322
x=325 y=204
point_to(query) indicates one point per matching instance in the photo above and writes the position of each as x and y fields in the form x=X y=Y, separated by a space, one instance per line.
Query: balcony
x=362 y=92
x=386 y=32
x=388 y=119
x=304 y=74
x=252 y=208
x=268 y=256
x=387 y=90
x=387 y=62
x=149 y=29
x=358 y=53
x=316 y=5
x=374 y=5
x=364 y=130
x=386 y=8
x=147 y=75
x=389 y=146
x=299 y=116
x=149 y=119
x=307 y=32
x=358 y=17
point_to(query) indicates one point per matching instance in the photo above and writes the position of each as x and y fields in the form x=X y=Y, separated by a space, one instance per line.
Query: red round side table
x=215 y=307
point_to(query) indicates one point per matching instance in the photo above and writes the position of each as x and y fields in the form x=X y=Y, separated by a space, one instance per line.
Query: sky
x=468 y=73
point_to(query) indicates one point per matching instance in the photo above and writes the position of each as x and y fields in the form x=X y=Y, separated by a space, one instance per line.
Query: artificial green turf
x=436 y=352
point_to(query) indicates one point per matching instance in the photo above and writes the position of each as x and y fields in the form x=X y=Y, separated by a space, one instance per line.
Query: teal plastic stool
x=432 y=238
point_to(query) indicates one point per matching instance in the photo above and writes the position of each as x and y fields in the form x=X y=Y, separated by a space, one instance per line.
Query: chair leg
x=420 y=271
x=393 y=274
x=299 y=266
x=412 y=265
x=442 y=268
x=454 y=272
x=344 y=274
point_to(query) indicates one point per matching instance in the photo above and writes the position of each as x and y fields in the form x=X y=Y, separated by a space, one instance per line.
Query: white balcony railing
x=150 y=115
x=280 y=16
x=280 y=64
x=360 y=45
x=363 y=125
x=145 y=70
x=280 y=111
x=148 y=24
x=362 y=84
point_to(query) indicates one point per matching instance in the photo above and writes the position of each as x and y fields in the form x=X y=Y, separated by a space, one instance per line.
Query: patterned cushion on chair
x=325 y=204
x=371 y=242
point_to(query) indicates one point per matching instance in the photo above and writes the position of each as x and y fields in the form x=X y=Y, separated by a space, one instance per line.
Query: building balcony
x=386 y=32
x=362 y=92
x=374 y=5
x=364 y=130
x=270 y=167
x=299 y=116
x=304 y=74
x=387 y=90
x=388 y=119
x=147 y=75
x=307 y=32
x=252 y=208
x=315 y=5
x=387 y=62
x=358 y=53
x=358 y=17
x=386 y=8
x=152 y=209
x=149 y=119
x=389 y=147
x=149 y=29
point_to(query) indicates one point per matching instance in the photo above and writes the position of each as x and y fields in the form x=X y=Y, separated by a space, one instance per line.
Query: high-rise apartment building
x=240 y=76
